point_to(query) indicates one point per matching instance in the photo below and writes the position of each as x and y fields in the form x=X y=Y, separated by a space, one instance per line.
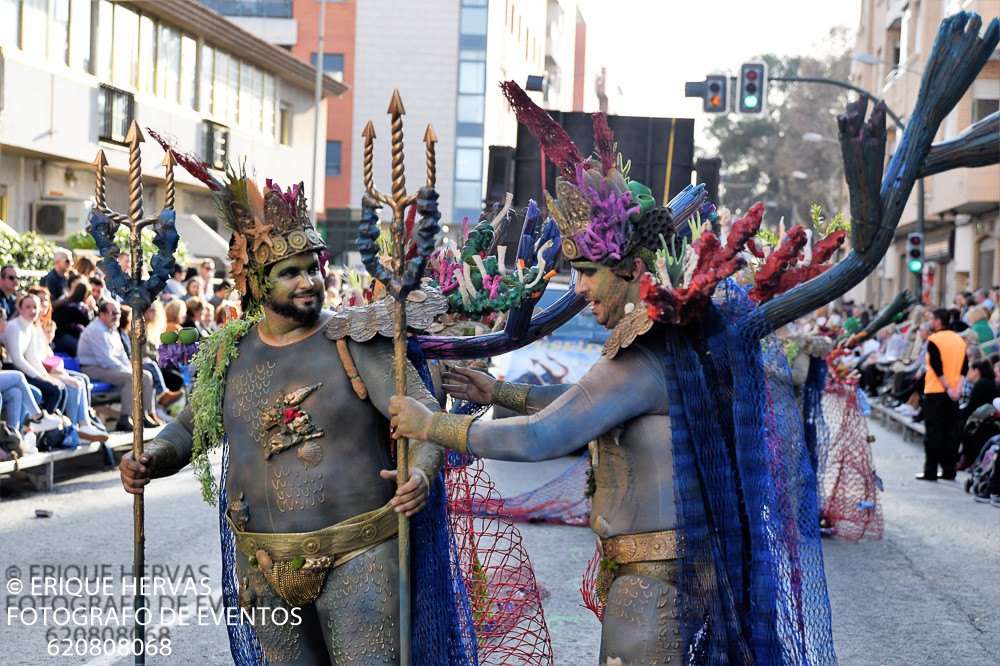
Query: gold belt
x=296 y=563
x=648 y=554
x=645 y=547
x=663 y=570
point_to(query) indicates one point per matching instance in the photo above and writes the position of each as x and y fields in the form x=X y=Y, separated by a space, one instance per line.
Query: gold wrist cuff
x=511 y=395
x=450 y=431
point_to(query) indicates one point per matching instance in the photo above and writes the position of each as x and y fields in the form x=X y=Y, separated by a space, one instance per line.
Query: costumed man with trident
x=310 y=506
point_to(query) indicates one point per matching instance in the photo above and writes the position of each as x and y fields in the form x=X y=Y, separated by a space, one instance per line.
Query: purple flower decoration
x=176 y=354
x=609 y=231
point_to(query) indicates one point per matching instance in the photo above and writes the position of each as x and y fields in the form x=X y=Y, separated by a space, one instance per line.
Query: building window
x=333 y=155
x=469 y=163
x=147 y=55
x=472 y=77
x=59 y=31
x=10 y=27
x=267 y=118
x=471 y=108
x=473 y=21
x=125 y=59
x=333 y=64
x=285 y=124
x=189 y=70
x=115 y=110
x=258 y=8
x=216 y=144
x=79 y=37
x=469 y=194
x=985 y=98
x=168 y=63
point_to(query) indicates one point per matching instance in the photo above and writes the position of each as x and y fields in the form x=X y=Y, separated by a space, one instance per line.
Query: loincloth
x=652 y=554
x=296 y=564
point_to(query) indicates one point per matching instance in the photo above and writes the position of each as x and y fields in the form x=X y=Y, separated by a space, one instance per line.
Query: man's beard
x=306 y=316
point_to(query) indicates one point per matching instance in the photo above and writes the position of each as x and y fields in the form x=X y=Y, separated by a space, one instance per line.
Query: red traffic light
x=752 y=75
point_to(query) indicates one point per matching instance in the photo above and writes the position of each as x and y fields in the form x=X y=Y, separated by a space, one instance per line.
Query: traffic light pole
x=919 y=225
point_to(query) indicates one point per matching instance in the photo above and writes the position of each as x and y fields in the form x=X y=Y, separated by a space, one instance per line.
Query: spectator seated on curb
x=30 y=353
x=103 y=358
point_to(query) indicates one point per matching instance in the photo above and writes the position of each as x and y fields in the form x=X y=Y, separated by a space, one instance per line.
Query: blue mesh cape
x=817 y=433
x=442 y=628
x=751 y=569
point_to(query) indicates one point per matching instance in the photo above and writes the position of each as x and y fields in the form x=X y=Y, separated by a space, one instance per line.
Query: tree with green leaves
x=765 y=157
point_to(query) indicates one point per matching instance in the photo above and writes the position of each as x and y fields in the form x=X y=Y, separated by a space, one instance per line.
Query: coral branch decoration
x=478 y=285
x=708 y=262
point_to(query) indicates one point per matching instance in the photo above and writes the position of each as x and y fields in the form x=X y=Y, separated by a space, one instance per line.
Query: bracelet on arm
x=450 y=431
x=511 y=395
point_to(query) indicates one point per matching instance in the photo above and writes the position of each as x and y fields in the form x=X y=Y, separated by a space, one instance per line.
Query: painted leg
x=641 y=624
x=359 y=608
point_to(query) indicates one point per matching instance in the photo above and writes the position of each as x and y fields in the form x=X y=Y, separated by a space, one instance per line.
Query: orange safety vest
x=952 y=348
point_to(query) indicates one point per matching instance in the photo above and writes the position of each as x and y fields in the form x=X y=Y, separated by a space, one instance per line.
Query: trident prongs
x=399 y=199
x=430 y=138
x=135 y=219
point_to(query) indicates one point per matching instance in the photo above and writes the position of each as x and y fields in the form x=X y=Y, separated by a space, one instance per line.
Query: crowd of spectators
x=70 y=312
x=938 y=367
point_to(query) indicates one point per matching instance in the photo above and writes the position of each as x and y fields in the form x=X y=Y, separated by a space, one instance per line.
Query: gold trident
x=136 y=222
x=398 y=202
x=399 y=199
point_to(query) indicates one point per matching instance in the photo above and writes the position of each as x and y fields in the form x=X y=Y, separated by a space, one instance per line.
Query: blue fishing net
x=751 y=576
x=442 y=616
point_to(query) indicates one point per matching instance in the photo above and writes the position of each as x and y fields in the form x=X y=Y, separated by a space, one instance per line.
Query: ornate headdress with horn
x=267 y=226
x=602 y=215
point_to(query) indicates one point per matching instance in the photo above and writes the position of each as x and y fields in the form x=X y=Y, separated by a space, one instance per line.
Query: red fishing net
x=846 y=471
x=504 y=596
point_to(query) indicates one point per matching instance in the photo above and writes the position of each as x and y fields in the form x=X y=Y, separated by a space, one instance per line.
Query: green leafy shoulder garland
x=211 y=363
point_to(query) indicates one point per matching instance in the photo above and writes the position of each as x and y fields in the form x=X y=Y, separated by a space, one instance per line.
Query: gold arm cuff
x=646 y=547
x=451 y=431
x=511 y=395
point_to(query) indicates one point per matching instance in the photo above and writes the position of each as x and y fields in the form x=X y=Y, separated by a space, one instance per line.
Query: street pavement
x=926 y=593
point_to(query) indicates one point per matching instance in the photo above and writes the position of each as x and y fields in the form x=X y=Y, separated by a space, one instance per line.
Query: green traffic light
x=750 y=101
x=916 y=266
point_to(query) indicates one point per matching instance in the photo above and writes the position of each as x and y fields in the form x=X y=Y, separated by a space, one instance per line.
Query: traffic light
x=716 y=93
x=753 y=87
x=915 y=252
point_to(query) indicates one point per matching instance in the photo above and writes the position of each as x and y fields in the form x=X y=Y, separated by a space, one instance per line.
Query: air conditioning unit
x=58 y=218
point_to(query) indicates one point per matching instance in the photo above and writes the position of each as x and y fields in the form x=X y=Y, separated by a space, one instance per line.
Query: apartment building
x=961 y=207
x=446 y=58
x=75 y=73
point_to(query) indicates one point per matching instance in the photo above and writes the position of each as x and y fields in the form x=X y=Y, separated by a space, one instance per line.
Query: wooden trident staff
x=138 y=294
x=404 y=278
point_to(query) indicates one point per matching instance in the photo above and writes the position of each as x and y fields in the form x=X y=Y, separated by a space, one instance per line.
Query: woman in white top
x=27 y=349
x=16 y=395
